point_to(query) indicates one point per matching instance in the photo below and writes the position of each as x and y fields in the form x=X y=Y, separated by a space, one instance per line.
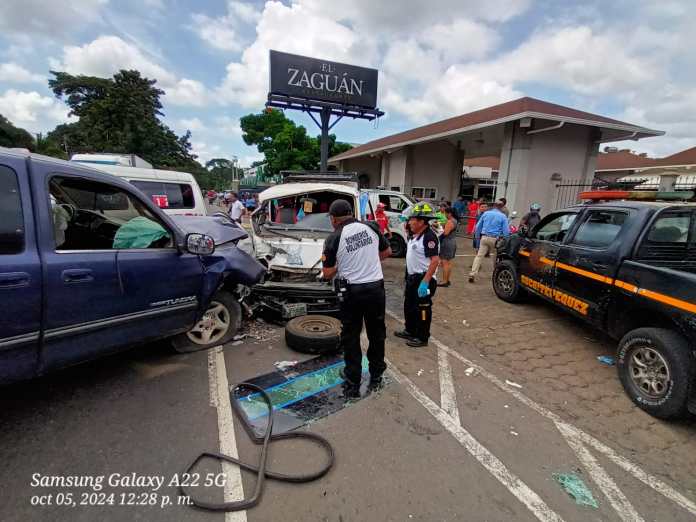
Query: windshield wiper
x=272 y=230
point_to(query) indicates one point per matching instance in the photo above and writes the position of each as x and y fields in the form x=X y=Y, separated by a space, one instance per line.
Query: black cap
x=340 y=208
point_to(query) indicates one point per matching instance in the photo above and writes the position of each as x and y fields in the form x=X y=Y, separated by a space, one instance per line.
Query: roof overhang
x=624 y=132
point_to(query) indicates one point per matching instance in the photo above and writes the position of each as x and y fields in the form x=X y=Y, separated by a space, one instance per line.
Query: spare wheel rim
x=212 y=326
x=316 y=325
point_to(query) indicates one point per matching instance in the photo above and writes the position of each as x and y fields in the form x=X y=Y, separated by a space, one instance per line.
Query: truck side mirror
x=200 y=244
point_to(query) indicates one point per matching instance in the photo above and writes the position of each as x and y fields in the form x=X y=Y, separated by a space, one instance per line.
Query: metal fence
x=568 y=194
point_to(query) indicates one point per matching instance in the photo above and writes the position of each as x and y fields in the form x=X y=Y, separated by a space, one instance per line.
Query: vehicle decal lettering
x=170 y=302
x=562 y=298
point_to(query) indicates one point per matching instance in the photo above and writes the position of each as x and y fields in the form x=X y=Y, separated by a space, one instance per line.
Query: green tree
x=285 y=145
x=119 y=114
x=11 y=136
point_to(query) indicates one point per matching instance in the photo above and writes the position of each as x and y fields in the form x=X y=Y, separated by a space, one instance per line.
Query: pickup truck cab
x=627 y=268
x=90 y=265
x=288 y=232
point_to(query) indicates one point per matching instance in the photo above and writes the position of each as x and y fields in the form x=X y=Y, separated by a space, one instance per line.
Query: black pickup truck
x=627 y=268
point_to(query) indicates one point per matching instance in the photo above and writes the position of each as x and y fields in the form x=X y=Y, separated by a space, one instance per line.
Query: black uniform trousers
x=363 y=302
x=418 y=311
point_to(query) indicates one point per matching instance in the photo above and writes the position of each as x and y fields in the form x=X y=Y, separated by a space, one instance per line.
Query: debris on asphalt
x=513 y=432
x=465 y=323
x=607 y=359
x=470 y=371
x=506 y=406
x=237 y=343
x=239 y=337
x=576 y=488
x=284 y=365
x=419 y=372
x=513 y=384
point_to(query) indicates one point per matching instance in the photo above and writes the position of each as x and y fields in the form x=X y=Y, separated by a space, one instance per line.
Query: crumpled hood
x=220 y=228
x=289 y=254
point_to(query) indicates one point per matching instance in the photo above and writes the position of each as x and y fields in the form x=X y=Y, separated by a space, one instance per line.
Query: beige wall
x=434 y=166
x=364 y=165
x=528 y=163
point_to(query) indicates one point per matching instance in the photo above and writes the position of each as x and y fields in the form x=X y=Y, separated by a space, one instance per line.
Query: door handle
x=77 y=275
x=14 y=279
x=599 y=266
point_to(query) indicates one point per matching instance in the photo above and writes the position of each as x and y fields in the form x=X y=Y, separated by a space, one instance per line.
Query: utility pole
x=325 y=116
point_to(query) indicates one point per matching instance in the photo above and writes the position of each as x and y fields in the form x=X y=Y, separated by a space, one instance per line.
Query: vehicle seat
x=666 y=235
x=286 y=216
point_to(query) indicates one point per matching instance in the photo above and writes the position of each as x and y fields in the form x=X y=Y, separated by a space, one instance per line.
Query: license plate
x=294 y=310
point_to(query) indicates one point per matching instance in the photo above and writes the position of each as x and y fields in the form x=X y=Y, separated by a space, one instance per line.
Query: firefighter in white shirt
x=422 y=258
x=353 y=254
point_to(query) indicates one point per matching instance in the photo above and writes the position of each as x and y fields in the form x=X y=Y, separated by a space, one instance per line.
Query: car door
x=587 y=262
x=20 y=276
x=113 y=274
x=538 y=252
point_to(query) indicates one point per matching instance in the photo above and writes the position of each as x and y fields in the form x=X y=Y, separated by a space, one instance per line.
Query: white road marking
x=648 y=479
x=448 y=395
x=617 y=499
x=489 y=461
x=220 y=398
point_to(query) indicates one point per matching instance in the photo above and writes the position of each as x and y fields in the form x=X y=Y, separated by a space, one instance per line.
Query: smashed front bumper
x=288 y=299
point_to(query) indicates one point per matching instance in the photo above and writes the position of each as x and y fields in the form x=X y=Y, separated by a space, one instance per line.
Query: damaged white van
x=288 y=232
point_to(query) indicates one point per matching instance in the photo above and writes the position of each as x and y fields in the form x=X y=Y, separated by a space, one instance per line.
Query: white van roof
x=145 y=174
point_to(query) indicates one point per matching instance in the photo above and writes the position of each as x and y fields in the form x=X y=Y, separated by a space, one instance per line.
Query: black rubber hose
x=260 y=470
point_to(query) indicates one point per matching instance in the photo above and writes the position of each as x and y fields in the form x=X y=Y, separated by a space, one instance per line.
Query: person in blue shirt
x=491 y=225
x=459 y=207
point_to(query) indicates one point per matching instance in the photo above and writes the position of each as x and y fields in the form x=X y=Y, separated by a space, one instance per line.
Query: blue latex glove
x=423 y=289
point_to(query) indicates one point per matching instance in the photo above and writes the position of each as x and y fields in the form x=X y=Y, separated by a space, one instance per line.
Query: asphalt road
x=474 y=427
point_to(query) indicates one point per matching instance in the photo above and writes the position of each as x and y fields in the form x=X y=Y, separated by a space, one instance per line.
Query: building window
x=424 y=192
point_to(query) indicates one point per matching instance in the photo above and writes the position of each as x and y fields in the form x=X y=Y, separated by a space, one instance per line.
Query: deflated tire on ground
x=313 y=334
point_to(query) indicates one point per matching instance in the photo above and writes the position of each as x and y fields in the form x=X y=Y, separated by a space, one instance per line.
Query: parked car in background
x=627 y=268
x=177 y=193
x=394 y=204
x=89 y=265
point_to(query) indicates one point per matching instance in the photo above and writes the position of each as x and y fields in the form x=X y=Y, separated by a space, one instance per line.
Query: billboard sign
x=322 y=80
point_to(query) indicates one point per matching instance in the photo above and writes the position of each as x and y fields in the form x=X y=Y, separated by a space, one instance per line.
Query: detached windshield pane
x=303 y=211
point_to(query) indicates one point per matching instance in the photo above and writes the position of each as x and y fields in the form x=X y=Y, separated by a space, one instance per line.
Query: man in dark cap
x=353 y=253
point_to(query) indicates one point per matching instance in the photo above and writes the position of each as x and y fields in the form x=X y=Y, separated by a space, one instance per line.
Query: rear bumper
x=320 y=298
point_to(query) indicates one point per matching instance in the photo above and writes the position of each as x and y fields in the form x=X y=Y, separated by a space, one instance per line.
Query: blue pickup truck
x=90 y=265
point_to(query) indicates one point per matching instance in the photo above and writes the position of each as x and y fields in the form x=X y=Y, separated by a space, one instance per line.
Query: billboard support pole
x=325 y=116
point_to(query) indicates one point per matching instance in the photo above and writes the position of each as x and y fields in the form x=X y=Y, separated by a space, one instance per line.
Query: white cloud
x=228 y=126
x=106 y=55
x=21 y=18
x=205 y=151
x=32 y=111
x=192 y=124
x=223 y=32
x=295 y=29
x=11 y=72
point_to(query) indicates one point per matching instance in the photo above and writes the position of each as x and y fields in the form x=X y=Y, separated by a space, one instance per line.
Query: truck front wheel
x=398 y=245
x=219 y=324
x=506 y=283
x=656 y=370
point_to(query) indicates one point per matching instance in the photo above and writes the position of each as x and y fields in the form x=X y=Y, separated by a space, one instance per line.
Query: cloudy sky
x=629 y=59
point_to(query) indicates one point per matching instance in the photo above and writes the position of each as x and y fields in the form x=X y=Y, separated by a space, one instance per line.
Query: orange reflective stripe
x=586 y=273
x=525 y=253
x=626 y=286
x=546 y=260
x=677 y=303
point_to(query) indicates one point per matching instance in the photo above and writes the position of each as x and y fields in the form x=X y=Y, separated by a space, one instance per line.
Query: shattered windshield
x=308 y=211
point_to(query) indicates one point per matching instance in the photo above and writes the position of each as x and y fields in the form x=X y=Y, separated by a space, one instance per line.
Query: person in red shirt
x=473 y=209
x=382 y=220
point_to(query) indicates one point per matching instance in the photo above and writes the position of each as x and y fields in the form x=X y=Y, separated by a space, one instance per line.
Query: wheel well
x=631 y=319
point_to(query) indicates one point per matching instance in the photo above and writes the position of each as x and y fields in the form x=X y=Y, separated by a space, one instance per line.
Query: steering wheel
x=70 y=209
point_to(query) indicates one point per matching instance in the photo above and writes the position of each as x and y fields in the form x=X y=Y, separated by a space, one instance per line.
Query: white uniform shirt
x=236 y=210
x=354 y=248
x=419 y=251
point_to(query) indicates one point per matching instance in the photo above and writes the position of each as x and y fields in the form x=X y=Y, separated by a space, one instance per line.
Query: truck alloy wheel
x=219 y=324
x=313 y=334
x=656 y=370
x=506 y=283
